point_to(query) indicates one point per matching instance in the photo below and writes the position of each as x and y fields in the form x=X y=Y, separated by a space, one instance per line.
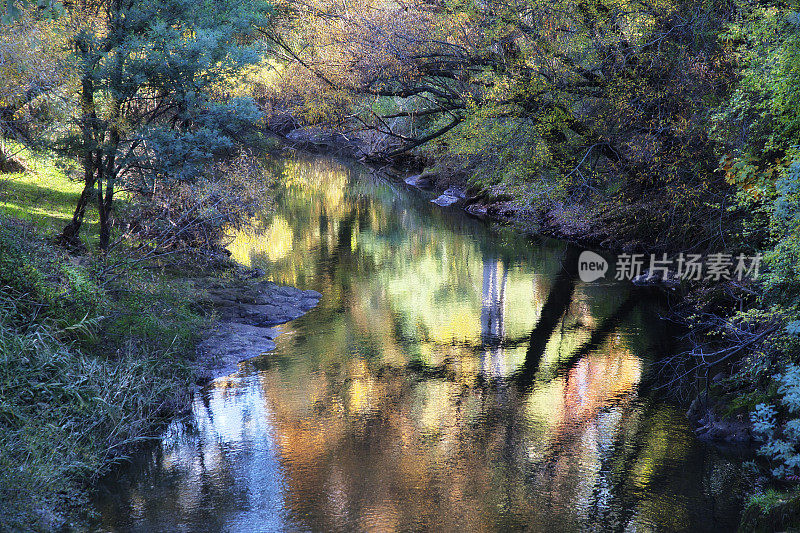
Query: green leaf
x=793 y=328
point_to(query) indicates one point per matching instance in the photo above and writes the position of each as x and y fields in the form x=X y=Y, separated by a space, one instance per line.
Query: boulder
x=478 y=210
x=445 y=200
x=419 y=181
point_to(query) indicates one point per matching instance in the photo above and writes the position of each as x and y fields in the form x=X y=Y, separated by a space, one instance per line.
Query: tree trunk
x=108 y=166
x=105 y=231
x=71 y=232
x=104 y=205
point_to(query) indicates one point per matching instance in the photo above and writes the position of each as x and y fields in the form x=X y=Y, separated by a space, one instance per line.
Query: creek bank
x=320 y=141
x=557 y=222
x=709 y=426
x=704 y=414
x=247 y=309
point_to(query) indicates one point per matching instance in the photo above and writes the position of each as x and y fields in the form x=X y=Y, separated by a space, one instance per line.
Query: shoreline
x=704 y=415
x=98 y=364
x=249 y=309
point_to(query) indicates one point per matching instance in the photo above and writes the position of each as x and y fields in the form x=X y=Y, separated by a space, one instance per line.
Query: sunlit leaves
x=46 y=9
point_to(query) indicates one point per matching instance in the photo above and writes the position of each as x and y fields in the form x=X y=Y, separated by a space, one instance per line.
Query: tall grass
x=72 y=403
x=66 y=416
x=95 y=350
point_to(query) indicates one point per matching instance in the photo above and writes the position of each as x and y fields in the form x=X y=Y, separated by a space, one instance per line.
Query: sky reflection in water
x=452 y=378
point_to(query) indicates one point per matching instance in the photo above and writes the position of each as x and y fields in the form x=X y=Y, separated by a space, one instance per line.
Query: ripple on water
x=451 y=378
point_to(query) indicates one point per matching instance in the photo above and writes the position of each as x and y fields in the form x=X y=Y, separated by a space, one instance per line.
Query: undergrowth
x=88 y=370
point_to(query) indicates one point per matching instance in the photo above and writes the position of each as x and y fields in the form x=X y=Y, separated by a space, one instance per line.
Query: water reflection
x=450 y=379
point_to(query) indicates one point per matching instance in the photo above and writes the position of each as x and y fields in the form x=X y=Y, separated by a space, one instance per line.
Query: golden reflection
x=441 y=434
x=442 y=383
x=274 y=242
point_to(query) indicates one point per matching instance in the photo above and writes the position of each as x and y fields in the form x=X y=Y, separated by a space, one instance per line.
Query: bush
x=196 y=215
x=781 y=439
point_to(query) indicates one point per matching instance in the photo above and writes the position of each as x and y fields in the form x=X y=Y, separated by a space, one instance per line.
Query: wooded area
x=651 y=126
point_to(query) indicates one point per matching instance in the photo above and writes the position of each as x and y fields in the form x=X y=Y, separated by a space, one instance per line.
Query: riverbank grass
x=91 y=364
x=44 y=195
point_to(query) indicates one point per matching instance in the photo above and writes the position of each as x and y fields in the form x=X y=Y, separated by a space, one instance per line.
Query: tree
x=152 y=93
x=608 y=98
x=32 y=67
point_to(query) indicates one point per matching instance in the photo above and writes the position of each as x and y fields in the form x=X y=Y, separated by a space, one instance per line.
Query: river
x=454 y=377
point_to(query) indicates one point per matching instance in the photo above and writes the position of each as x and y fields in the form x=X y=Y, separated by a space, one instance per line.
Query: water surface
x=452 y=378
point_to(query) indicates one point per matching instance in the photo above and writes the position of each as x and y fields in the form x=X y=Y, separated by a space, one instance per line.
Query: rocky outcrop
x=478 y=210
x=451 y=196
x=445 y=200
x=247 y=309
x=259 y=303
x=426 y=181
x=710 y=427
x=229 y=344
x=420 y=181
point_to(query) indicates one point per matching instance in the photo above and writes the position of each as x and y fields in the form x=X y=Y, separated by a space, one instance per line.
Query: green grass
x=90 y=365
x=44 y=196
x=771 y=510
x=96 y=350
x=66 y=416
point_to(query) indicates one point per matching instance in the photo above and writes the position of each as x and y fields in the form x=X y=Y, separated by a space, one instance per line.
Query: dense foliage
x=666 y=125
x=141 y=98
x=558 y=101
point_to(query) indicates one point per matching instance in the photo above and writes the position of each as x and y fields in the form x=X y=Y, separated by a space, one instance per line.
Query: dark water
x=453 y=378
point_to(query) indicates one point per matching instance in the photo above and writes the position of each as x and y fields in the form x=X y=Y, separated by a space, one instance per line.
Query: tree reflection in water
x=452 y=378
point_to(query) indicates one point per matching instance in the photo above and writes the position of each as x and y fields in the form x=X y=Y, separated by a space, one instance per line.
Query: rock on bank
x=247 y=310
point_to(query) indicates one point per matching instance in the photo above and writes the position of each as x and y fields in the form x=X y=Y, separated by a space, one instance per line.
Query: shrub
x=779 y=425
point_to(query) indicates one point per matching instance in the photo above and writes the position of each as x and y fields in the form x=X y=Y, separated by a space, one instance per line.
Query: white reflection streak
x=493 y=316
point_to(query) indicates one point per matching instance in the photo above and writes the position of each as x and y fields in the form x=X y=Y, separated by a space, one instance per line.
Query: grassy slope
x=88 y=368
x=44 y=196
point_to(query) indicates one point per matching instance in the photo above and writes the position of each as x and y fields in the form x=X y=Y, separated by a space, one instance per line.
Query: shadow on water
x=453 y=377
